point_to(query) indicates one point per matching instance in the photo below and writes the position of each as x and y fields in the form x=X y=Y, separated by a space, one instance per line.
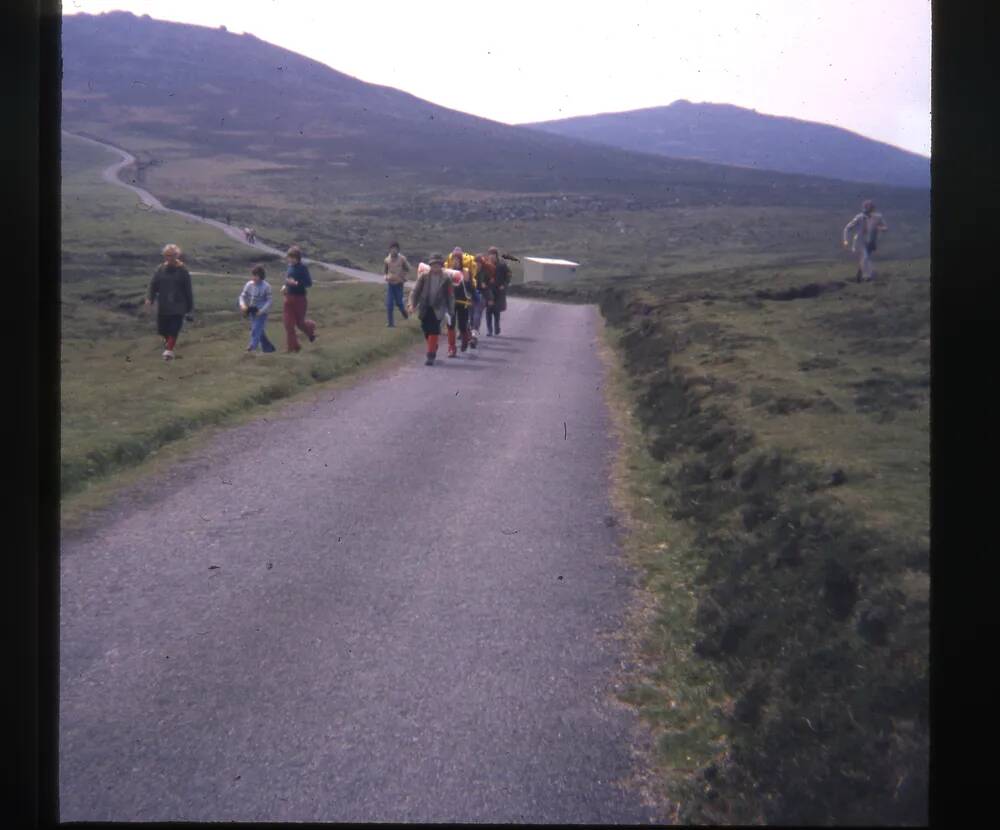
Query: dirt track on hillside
x=112 y=175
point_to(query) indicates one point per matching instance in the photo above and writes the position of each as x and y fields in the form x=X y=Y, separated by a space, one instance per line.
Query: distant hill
x=174 y=90
x=726 y=134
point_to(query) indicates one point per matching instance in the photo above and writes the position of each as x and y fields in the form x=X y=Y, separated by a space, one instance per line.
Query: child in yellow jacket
x=465 y=288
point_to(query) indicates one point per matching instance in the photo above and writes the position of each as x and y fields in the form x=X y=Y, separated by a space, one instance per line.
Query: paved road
x=394 y=603
x=112 y=175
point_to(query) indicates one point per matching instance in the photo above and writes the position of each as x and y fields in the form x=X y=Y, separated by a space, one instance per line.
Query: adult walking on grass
x=396 y=269
x=867 y=225
x=297 y=281
x=255 y=302
x=171 y=290
x=433 y=299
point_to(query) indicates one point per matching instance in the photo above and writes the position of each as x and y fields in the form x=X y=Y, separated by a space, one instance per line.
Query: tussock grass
x=675 y=691
x=784 y=489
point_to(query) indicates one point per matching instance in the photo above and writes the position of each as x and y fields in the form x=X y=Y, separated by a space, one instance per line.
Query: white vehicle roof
x=546 y=261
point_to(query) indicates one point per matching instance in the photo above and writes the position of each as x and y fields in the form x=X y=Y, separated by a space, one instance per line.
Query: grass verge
x=676 y=693
x=120 y=402
x=96 y=493
x=774 y=474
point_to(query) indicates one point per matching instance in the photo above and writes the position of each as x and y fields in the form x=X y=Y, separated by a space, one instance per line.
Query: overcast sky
x=865 y=67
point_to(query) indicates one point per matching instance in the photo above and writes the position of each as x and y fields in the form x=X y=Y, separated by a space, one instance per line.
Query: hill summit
x=173 y=91
x=728 y=134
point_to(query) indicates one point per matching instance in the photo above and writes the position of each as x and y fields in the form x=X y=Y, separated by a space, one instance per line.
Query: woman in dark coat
x=496 y=293
x=170 y=289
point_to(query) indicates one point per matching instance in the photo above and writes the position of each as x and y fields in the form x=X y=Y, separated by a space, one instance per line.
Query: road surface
x=398 y=602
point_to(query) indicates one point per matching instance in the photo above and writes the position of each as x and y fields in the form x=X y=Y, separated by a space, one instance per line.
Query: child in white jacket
x=255 y=302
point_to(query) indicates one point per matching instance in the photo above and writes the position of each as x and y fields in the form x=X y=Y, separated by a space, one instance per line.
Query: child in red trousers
x=433 y=300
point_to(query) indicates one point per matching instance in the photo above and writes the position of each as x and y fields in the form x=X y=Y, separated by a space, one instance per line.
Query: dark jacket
x=170 y=289
x=298 y=271
x=496 y=291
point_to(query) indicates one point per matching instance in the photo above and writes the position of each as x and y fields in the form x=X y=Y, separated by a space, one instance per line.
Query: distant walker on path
x=867 y=225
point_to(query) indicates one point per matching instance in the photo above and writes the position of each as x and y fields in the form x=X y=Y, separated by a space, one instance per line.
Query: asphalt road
x=397 y=602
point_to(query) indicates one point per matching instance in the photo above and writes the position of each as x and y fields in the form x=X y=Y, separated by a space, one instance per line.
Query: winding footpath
x=112 y=175
x=400 y=601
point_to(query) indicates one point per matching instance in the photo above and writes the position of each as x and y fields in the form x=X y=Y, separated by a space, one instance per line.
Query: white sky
x=862 y=66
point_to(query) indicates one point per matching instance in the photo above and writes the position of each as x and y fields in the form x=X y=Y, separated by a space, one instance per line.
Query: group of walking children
x=255 y=302
x=171 y=290
x=456 y=292
x=453 y=291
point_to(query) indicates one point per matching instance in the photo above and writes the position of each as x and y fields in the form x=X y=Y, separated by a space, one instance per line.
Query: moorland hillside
x=177 y=91
x=727 y=134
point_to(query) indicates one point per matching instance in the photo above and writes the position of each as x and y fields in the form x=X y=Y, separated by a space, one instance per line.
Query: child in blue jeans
x=255 y=302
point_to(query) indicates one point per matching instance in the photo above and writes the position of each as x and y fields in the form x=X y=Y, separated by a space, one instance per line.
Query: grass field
x=293 y=193
x=608 y=235
x=120 y=401
x=775 y=469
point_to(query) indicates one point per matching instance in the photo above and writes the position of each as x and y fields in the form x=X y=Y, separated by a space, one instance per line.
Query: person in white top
x=867 y=225
x=255 y=303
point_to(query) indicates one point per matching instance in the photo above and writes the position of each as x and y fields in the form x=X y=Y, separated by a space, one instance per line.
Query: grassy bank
x=120 y=402
x=776 y=469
